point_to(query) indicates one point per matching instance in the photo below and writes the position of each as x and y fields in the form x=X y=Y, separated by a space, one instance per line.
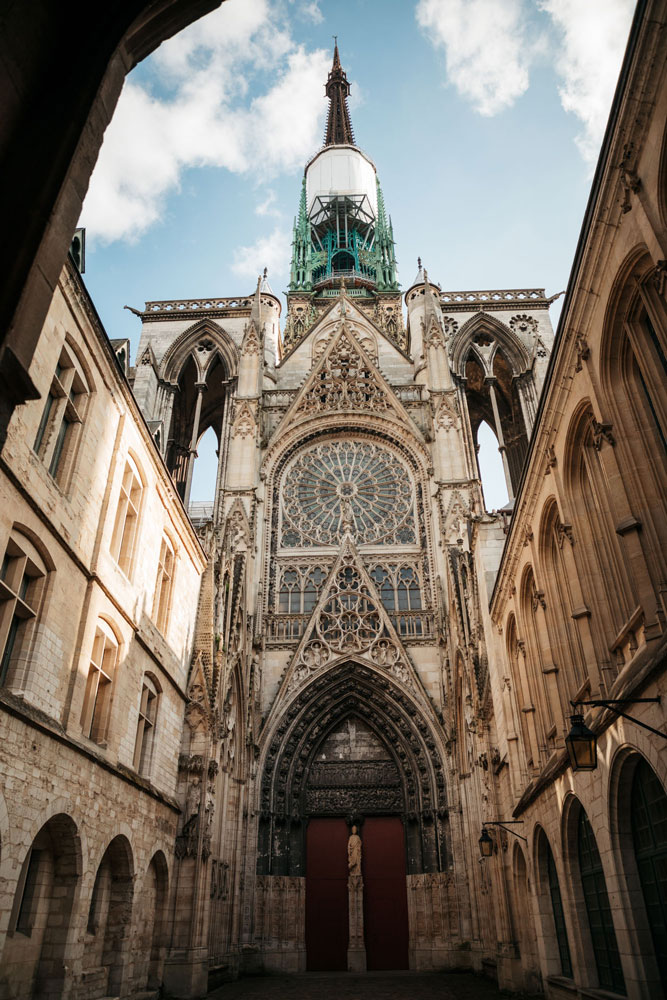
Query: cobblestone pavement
x=372 y=986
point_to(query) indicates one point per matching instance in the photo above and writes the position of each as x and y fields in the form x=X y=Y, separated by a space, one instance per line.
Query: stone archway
x=352 y=690
x=354 y=747
x=60 y=95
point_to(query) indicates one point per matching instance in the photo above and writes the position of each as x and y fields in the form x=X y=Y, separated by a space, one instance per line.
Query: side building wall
x=578 y=612
x=98 y=589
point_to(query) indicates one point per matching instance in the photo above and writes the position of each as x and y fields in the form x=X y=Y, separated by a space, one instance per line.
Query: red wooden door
x=385 y=894
x=326 y=895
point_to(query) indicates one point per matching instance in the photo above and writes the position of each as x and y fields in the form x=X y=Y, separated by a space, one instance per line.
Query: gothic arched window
x=598 y=910
x=648 y=811
x=342 y=485
x=558 y=913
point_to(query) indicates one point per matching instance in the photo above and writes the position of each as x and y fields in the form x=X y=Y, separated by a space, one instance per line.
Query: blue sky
x=483 y=118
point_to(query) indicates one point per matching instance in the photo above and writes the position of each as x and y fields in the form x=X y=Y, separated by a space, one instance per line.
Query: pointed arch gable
x=512 y=346
x=374 y=639
x=357 y=314
x=185 y=344
x=345 y=380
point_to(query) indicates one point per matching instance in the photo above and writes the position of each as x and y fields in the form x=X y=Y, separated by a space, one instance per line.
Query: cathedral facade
x=325 y=721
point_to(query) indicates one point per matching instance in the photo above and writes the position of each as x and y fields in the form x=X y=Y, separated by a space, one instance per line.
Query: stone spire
x=339 y=128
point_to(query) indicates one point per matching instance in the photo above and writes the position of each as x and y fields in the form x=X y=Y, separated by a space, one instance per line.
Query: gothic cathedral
x=342 y=611
x=343 y=717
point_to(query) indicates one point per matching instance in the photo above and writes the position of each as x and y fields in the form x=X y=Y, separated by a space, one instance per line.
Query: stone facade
x=347 y=635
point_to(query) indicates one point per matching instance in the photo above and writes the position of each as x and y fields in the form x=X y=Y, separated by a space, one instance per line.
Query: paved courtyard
x=372 y=986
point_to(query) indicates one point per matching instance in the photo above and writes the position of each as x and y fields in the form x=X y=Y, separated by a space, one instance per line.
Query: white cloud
x=272 y=252
x=491 y=45
x=594 y=34
x=311 y=12
x=268 y=206
x=487 y=49
x=232 y=91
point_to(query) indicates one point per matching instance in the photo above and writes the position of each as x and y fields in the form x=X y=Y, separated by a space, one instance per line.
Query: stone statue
x=354 y=853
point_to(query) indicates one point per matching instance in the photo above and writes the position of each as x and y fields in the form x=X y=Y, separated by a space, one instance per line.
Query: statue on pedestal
x=354 y=853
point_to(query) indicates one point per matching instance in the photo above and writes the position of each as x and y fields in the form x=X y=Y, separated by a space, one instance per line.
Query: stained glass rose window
x=347 y=485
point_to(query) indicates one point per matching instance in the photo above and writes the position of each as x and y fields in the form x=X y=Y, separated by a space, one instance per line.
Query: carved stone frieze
x=244 y=423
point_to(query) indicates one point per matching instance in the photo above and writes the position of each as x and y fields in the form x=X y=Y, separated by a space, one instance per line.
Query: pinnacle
x=339 y=127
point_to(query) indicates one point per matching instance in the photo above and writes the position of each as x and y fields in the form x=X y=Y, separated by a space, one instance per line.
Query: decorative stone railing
x=534 y=298
x=171 y=306
x=412 y=626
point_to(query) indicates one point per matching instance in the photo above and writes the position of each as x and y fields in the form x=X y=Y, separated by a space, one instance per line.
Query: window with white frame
x=143 y=747
x=99 y=686
x=22 y=579
x=126 y=525
x=164 y=585
x=62 y=416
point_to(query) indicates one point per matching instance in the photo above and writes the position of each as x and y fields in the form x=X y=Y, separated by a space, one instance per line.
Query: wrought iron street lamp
x=582 y=743
x=486 y=844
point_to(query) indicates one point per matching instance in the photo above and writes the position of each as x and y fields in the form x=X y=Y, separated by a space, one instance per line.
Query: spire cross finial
x=419 y=263
x=339 y=128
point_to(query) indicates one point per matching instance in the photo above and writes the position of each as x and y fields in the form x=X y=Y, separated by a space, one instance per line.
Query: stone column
x=499 y=434
x=356 y=949
x=192 y=454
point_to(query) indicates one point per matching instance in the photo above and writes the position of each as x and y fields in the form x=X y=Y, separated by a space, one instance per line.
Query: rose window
x=354 y=486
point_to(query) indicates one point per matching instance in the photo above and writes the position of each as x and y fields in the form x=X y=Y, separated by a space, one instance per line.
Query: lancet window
x=300 y=588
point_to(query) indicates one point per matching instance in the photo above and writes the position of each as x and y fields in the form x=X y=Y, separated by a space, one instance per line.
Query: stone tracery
x=355 y=482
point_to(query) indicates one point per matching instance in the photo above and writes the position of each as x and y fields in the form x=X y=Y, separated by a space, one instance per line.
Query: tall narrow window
x=30 y=895
x=63 y=412
x=559 y=915
x=97 y=702
x=22 y=576
x=649 y=835
x=598 y=910
x=165 y=579
x=127 y=517
x=143 y=747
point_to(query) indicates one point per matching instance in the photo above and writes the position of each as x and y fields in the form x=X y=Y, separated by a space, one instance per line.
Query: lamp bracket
x=611 y=704
x=503 y=824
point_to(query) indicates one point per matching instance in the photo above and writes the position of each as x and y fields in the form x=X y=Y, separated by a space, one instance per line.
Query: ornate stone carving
x=243 y=420
x=601 y=432
x=564 y=531
x=629 y=178
x=354 y=853
x=446 y=415
x=344 y=381
x=583 y=352
x=355 y=480
x=523 y=324
x=538 y=600
x=250 y=344
x=449 y=326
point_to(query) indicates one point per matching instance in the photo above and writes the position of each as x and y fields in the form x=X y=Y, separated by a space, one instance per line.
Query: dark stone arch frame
x=352 y=689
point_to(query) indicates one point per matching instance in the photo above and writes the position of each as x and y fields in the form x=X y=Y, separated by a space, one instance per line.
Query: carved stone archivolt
x=293 y=776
